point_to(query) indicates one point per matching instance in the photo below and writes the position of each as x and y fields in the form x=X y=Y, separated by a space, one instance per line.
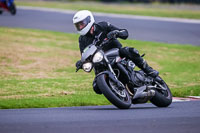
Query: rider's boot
x=147 y=69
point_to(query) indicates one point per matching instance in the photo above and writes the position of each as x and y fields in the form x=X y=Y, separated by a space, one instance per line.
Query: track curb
x=189 y=98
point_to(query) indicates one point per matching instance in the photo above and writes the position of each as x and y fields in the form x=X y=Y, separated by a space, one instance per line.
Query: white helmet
x=83 y=21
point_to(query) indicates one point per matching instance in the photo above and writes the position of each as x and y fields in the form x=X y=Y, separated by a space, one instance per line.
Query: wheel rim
x=121 y=94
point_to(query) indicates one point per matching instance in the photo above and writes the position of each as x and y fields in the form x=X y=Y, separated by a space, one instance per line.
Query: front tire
x=105 y=87
x=162 y=98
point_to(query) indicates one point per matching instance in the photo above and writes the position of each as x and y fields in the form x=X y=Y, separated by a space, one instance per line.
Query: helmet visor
x=82 y=24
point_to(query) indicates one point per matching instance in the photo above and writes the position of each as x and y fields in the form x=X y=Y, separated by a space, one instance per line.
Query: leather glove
x=113 y=34
x=78 y=64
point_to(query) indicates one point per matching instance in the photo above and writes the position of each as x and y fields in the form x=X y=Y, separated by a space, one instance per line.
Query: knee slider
x=134 y=52
x=124 y=51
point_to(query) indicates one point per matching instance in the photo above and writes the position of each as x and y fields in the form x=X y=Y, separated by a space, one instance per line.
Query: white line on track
x=179 y=20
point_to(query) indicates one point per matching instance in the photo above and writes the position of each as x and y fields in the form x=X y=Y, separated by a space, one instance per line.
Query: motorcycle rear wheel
x=162 y=98
x=12 y=9
x=105 y=87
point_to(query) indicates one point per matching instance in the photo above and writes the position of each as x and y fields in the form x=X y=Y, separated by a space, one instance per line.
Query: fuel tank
x=112 y=53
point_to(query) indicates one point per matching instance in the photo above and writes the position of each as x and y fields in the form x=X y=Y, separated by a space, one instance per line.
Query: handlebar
x=105 y=42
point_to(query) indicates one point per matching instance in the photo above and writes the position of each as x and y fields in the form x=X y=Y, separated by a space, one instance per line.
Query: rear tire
x=162 y=99
x=12 y=9
x=103 y=85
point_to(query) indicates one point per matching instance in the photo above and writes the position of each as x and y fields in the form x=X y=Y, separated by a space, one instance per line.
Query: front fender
x=95 y=87
x=105 y=72
x=111 y=76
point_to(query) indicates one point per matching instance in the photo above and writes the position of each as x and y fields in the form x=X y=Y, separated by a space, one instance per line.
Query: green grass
x=159 y=10
x=37 y=69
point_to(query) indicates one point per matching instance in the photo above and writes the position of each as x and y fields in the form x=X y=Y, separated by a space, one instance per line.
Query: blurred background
x=141 y=1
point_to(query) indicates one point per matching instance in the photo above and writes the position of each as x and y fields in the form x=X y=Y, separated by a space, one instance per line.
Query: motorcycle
x=117 y=80
x=8 y=5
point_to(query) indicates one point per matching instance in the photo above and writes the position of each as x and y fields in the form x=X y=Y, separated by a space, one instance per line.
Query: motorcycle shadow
x=110 y=107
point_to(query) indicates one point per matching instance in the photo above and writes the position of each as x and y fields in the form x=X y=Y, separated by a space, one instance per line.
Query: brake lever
x=106 y=40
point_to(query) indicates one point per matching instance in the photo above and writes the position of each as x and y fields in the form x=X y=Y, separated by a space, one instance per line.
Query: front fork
x=110 y=67
x=114 y=77
x=111 y=74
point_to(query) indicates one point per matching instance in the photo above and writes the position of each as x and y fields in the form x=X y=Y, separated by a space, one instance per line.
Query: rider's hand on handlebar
x=113 y=34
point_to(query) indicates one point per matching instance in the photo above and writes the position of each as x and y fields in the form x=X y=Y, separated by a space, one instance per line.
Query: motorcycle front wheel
x=119 y=98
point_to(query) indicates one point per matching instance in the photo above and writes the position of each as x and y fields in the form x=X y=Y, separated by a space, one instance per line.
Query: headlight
x=87 y=66
x=97 y=57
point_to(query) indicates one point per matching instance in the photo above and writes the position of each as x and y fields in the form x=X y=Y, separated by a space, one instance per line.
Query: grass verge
x=158 y=10
x=37 y=69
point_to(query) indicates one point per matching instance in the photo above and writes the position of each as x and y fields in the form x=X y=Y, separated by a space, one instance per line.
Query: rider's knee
x=129 y=52
x=134 y=52
x=123 y=52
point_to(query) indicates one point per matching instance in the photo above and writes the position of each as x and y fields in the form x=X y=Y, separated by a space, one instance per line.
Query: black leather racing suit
x=104 y=28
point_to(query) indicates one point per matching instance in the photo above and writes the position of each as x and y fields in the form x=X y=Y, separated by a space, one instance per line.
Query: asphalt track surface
x=180 y=117
x=139 y=28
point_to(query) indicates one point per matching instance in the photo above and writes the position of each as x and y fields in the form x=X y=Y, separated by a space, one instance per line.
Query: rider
x=89 y=31
x=7 y=2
